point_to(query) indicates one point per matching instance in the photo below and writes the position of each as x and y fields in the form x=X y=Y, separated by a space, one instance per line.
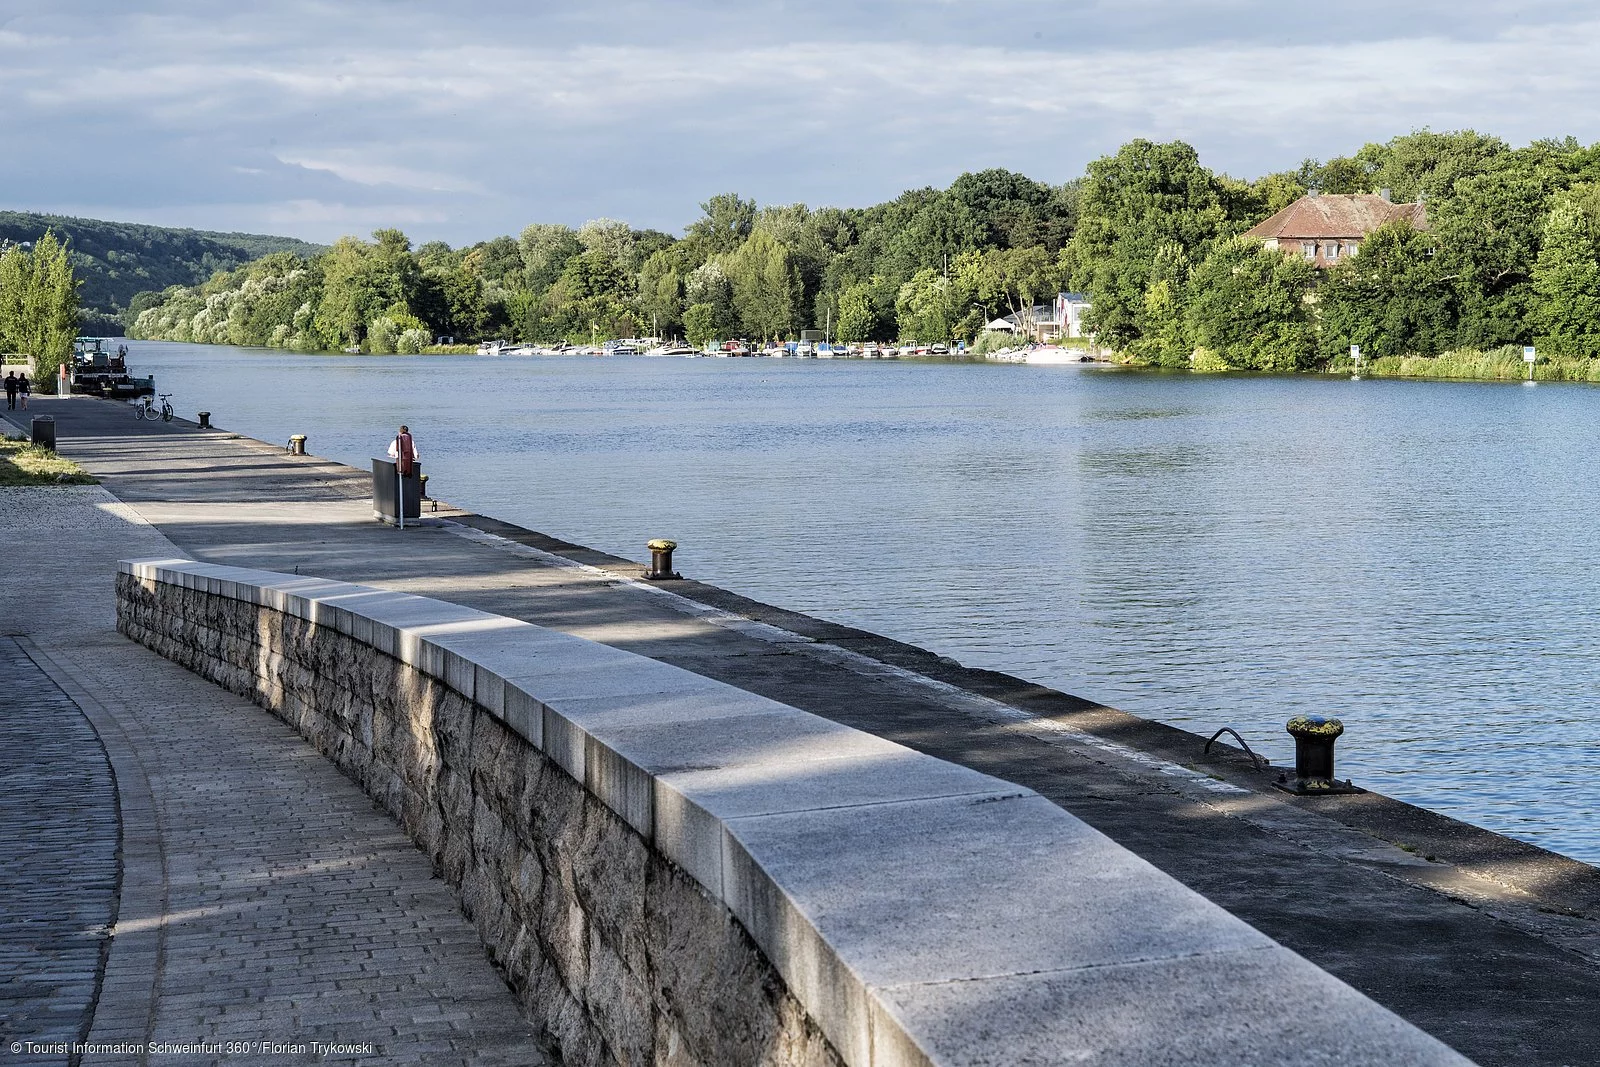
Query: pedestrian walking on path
x=11 y=391
x=24 y=388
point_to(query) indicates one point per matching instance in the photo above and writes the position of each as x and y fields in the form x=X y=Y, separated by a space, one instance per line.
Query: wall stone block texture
x=617 y=954
x=671 y=871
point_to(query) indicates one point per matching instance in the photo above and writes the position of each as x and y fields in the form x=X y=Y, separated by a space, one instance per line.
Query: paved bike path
x=264 y=899
x=58 y=858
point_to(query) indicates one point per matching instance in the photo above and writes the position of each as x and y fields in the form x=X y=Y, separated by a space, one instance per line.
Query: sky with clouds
x=464 y=120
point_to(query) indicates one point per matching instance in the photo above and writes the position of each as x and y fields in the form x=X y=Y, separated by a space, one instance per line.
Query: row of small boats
x=720 y=349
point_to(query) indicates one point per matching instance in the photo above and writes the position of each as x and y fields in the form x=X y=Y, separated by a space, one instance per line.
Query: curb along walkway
x=265 y=901
x=1494 y=951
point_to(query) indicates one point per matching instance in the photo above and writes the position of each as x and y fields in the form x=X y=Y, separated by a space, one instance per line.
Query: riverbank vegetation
x=22 y=463
x=38 y=304
x=115 y=261
x=932 y=264
x=1510 y=255
x=1503 y=363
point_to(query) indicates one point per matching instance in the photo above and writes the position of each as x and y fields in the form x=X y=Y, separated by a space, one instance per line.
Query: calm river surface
x=1417 y=558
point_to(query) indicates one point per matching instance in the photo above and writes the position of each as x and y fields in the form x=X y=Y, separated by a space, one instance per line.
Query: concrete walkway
x=58 y=856
x=264 y=900
x=1489 y=944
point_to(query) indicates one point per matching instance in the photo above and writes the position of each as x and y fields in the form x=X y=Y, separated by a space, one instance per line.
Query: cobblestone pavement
x=58 y=857
x=266 y=901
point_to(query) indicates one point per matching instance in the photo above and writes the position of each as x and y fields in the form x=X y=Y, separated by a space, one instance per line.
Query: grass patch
x=1502 y=364
x=22 y=463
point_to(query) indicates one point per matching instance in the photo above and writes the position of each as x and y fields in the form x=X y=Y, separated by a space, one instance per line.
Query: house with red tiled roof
x=1326 y=229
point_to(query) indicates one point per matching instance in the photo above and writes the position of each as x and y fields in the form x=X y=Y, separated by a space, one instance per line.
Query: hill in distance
x=117 y=260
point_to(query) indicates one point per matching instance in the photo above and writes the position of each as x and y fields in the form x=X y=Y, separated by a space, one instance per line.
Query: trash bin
x=44 y=431
x=387 y=488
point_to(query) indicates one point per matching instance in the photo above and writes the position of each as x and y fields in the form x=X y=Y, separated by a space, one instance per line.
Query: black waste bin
x=387 y=489
x=44 y=431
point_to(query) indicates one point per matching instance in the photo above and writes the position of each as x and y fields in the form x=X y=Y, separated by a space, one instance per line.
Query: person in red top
x=403 y=450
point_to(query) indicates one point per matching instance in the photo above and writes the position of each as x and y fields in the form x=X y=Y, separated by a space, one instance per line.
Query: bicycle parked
x=145 y=408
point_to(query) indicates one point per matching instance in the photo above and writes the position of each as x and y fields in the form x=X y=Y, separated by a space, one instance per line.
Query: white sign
x=1355 y=351
x=1527 y=354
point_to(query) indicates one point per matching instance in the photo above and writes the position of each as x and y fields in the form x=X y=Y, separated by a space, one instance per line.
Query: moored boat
x=98 y=370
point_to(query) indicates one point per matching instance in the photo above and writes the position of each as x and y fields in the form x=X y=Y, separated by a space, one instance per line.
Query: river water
x=1417 y=558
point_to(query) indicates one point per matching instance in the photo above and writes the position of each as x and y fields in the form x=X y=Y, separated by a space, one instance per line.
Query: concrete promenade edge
x=1487 y=943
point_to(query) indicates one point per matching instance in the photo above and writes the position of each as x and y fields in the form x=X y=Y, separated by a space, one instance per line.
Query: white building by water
x=1042 y=322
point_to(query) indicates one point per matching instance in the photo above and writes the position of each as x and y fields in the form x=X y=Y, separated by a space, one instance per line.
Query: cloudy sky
x=468 y=119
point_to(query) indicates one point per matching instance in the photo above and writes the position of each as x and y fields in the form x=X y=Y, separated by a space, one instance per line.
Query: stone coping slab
x=912 y=906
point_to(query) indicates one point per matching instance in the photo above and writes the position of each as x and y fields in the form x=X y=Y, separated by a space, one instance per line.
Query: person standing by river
x=403 y=450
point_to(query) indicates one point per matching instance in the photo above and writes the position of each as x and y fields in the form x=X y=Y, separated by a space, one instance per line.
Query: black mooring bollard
x=205 y=420
x=661 y=560
x=1314 y=736
x=297 y=444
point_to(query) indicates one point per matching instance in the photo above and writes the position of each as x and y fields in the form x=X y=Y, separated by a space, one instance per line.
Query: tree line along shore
x=1509 y=255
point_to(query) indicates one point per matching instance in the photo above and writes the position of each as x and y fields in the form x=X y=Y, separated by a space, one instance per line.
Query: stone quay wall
x=672 y=871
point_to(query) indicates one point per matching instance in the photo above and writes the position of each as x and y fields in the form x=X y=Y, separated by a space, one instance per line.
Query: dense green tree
x=362 y=281
x=936 y=233
x=450 y=300
x=661 y=290
x=725 y=224
x=608 y=238
x=16 y=275
x=1489 y=229
x=1165 y=341
x=1274 y=192
x=924 y=309
x=859 y=318
x=700 y=324
x=1013 y=211
x=545 y=249
x=766 y=286
x=709 y=284
x=497 y=263
x=1134 y=203
x=590 y=301
x=38 y=304
x=1391 y=298
x=1341 y=175
x=1248 y=307
x=1426 y=164
x=1166 y=338
x=1566 y=278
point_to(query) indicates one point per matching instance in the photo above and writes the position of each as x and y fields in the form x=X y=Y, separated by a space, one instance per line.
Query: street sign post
x=1529 y=357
